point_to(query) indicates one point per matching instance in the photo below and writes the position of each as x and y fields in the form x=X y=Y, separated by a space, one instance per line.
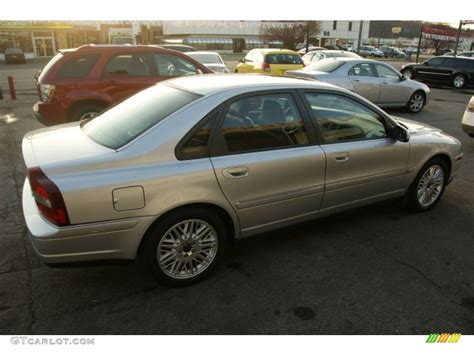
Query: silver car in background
x=212 y=60
x=378 y=82
x=315 y=56
x=176 y=172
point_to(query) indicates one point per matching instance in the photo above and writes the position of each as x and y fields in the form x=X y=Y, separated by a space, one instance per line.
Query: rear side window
x=79 y=66
x=126 y=121
x=197 y=146
x=283 y=58
x=449 y=62
x=130 y=64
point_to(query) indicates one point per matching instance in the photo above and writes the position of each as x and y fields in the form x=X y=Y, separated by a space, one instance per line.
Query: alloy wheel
x=187 y=249
x=430 y=186
x=417 y=102
x=458 y=81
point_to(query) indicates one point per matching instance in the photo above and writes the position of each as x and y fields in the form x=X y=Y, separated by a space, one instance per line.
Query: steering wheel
x=171 y=69
x=375 y=133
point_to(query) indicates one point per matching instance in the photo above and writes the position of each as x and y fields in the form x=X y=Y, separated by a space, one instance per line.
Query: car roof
x=202 y=52
x=213 y=83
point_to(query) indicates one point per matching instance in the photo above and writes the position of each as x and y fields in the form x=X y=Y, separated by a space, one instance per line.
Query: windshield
x=206 y=58
x=126 y=121
x=325 y=65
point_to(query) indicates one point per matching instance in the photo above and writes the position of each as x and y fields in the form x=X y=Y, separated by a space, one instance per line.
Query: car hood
x=59 y=144
x=415 y=127
x=216 y=67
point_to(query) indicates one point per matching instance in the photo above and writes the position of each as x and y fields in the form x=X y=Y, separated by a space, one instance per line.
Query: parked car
x=178 y=47
x=315 y=56
x=208 y=159
x=14 y=55
x=370 y=51
x=302 y=51
x=392 y=52
x=457 y=71
x=211 y=60
x=78 y=83
x=269 y=61
x=468 y=118
x=462 y=54
x=378 y=82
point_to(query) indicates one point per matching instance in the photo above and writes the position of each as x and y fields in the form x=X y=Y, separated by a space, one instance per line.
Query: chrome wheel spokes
x=416 y=102
x=187 y=249
x=430 y=186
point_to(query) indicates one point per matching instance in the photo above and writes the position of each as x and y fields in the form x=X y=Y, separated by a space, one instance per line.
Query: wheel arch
x=230 y=222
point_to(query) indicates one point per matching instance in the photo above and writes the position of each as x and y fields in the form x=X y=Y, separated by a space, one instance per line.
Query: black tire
x=413 y=202
x=471 y=135
x=85 y=110
x=459 y=81
x=372 y=55
x=416 y=99
x=158 y=232
x=410 y=74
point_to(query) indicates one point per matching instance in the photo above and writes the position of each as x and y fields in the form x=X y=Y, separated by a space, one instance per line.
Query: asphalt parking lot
x=375 y=270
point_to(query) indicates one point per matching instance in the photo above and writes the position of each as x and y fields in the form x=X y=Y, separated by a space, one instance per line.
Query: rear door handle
x=236 y=172
x=357 y=80
x=341 y=157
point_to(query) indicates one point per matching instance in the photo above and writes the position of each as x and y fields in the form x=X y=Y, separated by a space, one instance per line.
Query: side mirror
x=400 y=134
x=198 y=71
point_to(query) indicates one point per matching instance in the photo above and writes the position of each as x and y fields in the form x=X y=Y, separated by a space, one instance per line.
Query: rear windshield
x=126 y=121
x=283 y=58
x=326 y=65
x=206 y=58
x=50 y=64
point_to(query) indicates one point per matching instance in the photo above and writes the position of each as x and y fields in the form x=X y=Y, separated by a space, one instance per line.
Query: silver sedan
x=178 y=171
x=376 y=81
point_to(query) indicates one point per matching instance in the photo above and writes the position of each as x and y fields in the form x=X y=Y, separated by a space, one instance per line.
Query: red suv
x=79 y=83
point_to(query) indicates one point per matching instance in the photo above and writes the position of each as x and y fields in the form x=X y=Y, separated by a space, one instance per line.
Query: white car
x=212 y=60
x=468 y=119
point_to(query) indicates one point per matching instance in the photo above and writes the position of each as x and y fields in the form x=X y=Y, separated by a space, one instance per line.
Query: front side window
x=78 y=67
x=434 y=61
x=171 y=65
x=130 y=64
x=363 y=69
x=386 y=72
x=263 y=122
x=342 y=119
x=126 y=121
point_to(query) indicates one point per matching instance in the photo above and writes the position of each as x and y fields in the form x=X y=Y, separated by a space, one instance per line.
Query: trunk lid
x=59 y=144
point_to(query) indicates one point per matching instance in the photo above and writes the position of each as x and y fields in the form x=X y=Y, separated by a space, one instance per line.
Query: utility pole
x=457 y=38
x=360 y=36
x=307 y=36
x=419 y=43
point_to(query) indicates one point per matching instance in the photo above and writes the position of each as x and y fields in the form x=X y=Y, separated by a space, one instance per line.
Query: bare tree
x=437 y=44
x=290 y=32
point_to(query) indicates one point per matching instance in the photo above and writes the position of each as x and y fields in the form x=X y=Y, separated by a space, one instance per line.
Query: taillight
x=266 y=67
x=46 y=92
x=48 y=198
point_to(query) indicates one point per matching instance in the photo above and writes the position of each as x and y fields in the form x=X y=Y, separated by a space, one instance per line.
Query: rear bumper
x=50 y=113
x=118 y=239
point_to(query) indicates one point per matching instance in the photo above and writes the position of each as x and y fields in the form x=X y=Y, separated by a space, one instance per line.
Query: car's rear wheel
x=86 y=111
x=185 y=246
x=459 y=80
x=408 y=74
x=428 y=186
x=416 y=102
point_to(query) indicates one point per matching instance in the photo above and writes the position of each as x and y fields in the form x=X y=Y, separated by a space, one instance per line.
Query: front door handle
x=356 y=80
x=236 y=172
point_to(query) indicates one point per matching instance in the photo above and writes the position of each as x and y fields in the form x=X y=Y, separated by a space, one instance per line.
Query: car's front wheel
x=416 y=102
x=428 y=186
x=185 y=246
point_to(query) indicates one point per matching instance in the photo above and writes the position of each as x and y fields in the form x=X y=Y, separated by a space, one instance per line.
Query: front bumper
x=467 y=122
x=118 y=239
